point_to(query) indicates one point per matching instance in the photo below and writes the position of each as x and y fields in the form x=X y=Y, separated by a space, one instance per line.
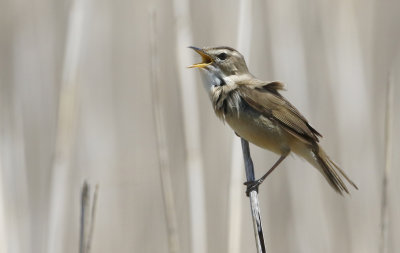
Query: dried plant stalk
x=164 y=164
x=386 y=173
x=87 y=219
x=255 y=209
x=191 y=125
x=236 y=171
x=66 y=124
x=92 y=219
x=84 y=221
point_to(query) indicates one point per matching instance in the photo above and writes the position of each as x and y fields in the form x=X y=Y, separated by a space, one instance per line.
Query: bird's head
x=221 y=66
x=226 y=59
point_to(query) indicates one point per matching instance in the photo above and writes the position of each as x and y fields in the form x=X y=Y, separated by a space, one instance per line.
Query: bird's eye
x=222 y=56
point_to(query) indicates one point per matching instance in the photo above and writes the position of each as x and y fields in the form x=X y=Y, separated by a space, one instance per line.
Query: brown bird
x=257 y=112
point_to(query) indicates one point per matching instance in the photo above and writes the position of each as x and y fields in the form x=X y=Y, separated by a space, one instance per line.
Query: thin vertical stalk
x=191 y=125
x=386 y=173
x=235 y=197
x=13 y=178
x=87 y=219
x=92 y=219
x=3 y=233
x=66 y=125
x=255 y=209
x=84 y=221
x=163 y=158
x=235 y=183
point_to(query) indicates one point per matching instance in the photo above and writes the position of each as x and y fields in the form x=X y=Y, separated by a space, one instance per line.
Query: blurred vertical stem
x=88 y=216
x=244 y=33
x=191 y=125
x=84 y=217
x=66 y=125
x=3 y=229
x=255 y=209
x=164 y=164
x=92 y=219
x=386 y=173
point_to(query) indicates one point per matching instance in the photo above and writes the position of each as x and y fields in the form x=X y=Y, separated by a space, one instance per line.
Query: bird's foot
x=252 y=186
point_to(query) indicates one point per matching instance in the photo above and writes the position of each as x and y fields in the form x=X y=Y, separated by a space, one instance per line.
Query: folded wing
x=266 y=99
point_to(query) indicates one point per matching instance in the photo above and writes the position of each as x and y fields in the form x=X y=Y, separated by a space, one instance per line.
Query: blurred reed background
x=98 y=90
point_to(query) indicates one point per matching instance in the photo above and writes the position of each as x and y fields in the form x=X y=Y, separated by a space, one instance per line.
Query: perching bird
x=257 y=112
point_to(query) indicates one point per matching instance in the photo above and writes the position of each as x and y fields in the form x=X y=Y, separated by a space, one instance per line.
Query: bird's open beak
x=206 y=59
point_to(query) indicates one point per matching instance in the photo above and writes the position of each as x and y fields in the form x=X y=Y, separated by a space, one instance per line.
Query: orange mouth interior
x=205 y=60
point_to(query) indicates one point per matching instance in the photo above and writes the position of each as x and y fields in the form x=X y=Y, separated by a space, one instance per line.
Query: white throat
x=213 y=77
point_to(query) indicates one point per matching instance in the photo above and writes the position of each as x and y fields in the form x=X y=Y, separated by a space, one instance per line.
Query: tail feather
x=330 y=171
x=344 y=174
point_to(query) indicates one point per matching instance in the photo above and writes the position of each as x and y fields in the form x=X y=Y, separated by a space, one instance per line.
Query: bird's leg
x=253 y=185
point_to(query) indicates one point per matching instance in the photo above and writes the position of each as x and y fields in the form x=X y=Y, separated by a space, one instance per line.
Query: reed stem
x=255 y=208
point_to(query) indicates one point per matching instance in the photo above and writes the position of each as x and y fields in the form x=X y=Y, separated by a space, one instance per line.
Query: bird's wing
x=267 y=100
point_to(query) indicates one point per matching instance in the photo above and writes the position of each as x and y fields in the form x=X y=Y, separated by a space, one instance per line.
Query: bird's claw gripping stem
x=252 y=186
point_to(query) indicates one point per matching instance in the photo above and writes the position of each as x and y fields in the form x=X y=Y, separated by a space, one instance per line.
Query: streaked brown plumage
x=257 y=112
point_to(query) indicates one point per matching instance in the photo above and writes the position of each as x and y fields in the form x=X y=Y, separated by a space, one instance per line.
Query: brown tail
x=330 y=171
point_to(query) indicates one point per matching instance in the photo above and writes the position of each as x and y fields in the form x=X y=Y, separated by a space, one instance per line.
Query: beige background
x=335 y=57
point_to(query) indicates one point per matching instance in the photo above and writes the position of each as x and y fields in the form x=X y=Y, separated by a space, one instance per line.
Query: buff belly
x=260 y=131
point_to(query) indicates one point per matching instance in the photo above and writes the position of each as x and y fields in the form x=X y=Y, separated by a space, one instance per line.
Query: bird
x=258 y=113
